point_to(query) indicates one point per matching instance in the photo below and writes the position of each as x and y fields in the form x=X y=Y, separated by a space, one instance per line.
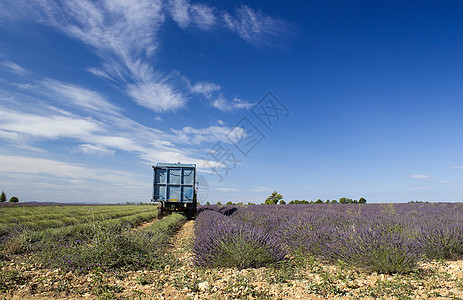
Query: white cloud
x=458 y=167
x=100 y=73
x=156 y=96
x=18 y=124
x=185 y=13
x=81 y=97
x=205 y=88
x=53 y=180
x=254 y=26
x=125 y=35
x=224 y=105
x=29 y=165
x=112 y=132
x=97 y=150
x=212 y=134
x=241 y=104
x=210 y=90
x=420 y=176
x=12 y=67
x=262 y=189
x=227 y=189
x=122 y=33
x=203 y=16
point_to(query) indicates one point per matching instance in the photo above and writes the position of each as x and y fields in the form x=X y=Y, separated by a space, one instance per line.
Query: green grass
x=13 y=219
x=35 y=227
x=114 y=247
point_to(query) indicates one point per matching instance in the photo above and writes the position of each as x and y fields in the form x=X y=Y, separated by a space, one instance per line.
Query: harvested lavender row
x=386 y=238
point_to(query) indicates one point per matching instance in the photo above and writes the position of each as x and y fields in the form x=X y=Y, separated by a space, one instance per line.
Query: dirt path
x=182 y=280
x=182 y=243
x=146 y=224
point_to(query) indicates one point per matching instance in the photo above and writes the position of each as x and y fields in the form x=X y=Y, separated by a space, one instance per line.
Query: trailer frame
x=174 y=189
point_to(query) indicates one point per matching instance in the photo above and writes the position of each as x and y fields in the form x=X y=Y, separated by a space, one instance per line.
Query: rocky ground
x=294 y=280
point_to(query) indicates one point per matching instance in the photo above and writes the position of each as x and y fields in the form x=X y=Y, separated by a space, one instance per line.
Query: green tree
x=273 y=198
x=229 y=203
x=14 y=199
x=334 y=201
x=319 y=201
x=3 y=197
x=282 y=202
x=207 y=203
x=218 y=203
x=362 y=200
x=343 y=200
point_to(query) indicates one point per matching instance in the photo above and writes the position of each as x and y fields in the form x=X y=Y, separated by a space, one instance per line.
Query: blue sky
x=365 y=99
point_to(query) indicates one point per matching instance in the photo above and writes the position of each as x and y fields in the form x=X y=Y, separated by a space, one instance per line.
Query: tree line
x=12 y=199
x=276 y=198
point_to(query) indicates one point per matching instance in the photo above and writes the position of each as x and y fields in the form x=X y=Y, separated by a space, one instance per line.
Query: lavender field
x=383 y=238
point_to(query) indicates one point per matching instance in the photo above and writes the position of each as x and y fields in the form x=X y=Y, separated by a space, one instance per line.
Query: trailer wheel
x=161 y=210
x=188 y=214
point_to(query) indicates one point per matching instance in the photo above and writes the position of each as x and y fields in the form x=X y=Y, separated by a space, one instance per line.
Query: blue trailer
x=174 y=189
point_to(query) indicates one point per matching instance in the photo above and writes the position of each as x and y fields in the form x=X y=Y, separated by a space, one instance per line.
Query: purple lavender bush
x=224 y=241
x=373 y=249
x=442 y=241
x=385 y=238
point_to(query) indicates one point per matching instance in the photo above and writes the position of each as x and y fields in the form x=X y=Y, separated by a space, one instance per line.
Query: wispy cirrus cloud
x=14 y=164
x=420 y=176
x=224 y=105
x=227 y=189
x=55 y=180
x=254 y=26
x=97 y=127
x=124 y=34
x=13 y=67
x=185 y=13
x=209 y=134
x=207 y=89
x=212 y=92
x=95 y=150
x=77 y=96
x=16 y=124
x=156 y=96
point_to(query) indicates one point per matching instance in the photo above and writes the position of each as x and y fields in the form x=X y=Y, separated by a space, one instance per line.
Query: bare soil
x=314 y=280
x=146 y=224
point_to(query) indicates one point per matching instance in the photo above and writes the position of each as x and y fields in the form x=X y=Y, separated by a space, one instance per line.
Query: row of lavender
x=386 y=238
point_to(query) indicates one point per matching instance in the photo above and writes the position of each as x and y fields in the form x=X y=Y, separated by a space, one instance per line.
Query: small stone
x=203 y=286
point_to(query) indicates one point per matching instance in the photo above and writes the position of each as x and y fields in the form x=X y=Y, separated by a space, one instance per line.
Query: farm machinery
x=174 y=189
